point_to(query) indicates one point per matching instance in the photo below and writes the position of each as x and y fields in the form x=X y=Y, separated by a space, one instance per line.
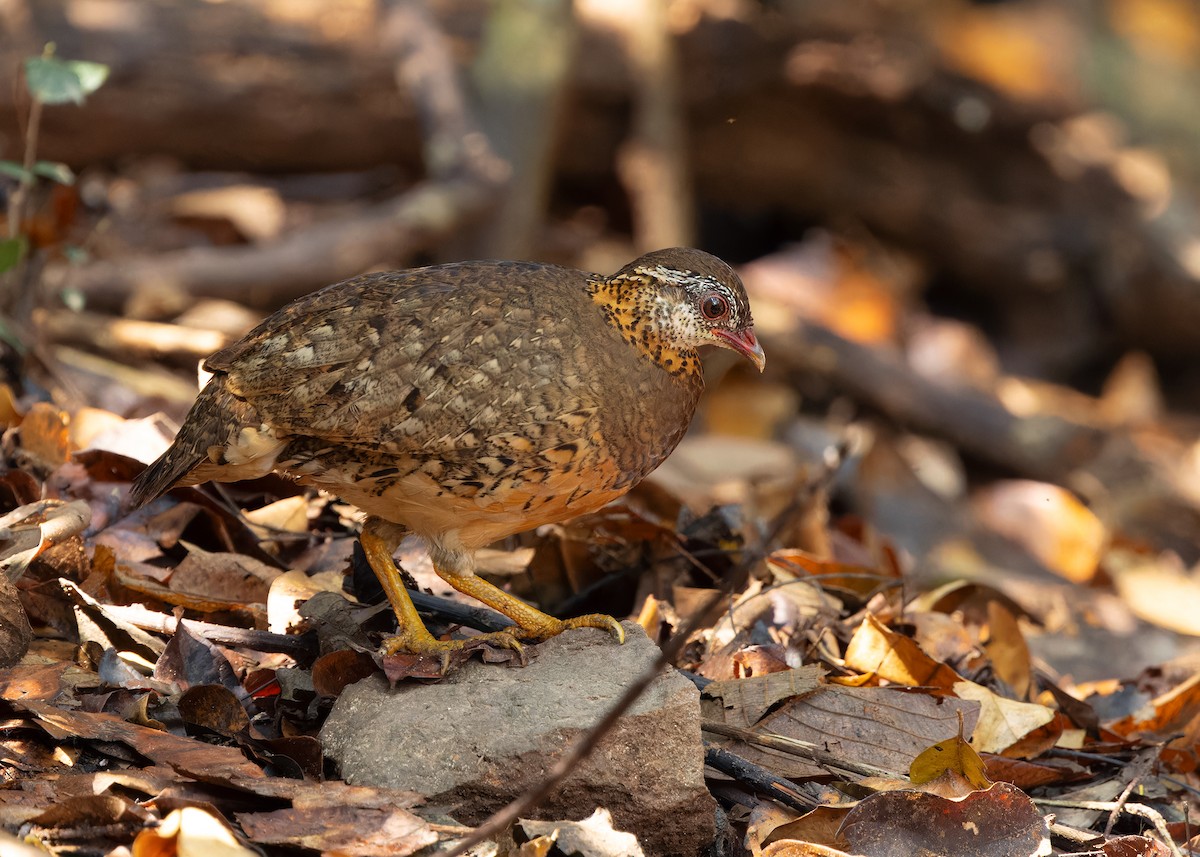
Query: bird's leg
x=379 y=540
x=454 y=567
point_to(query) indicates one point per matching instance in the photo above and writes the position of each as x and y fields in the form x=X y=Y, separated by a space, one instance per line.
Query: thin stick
x=1141 y=810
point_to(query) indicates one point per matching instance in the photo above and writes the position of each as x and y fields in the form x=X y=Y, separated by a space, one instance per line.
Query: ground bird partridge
x=465 y=403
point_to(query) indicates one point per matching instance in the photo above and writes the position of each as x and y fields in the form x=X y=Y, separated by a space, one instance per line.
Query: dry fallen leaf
x=997 y=822
x=895 y=657
x=1002 y=722
x=190 y=832
x=745 y=700
x=1049 y=522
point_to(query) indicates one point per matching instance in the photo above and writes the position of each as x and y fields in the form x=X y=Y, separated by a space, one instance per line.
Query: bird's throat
x=639 y=311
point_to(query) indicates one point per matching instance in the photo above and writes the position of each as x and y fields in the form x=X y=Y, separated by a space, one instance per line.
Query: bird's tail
x=215 y=414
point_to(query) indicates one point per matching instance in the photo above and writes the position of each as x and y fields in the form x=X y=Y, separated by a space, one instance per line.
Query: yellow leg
x=380 y=540
x=534 y=624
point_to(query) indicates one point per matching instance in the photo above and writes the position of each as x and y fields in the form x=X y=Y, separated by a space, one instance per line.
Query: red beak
x=744 y=342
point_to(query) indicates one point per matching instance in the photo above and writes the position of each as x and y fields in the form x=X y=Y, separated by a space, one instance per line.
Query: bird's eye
x=714 y=307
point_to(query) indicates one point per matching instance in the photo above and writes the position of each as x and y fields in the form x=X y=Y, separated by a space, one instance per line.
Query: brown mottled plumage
x=465 y=403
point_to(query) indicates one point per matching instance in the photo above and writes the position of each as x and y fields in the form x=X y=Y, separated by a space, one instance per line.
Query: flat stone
x=488 y=733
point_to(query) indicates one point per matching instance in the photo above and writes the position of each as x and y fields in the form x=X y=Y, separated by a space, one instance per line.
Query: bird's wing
x=408 y=363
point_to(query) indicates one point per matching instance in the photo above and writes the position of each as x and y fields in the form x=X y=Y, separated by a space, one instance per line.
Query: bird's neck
x=643 y=314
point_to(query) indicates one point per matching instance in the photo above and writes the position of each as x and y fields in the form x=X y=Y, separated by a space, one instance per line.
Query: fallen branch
x=465 y=178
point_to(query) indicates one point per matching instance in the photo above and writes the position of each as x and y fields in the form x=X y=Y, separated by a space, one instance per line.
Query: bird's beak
x=744 y=342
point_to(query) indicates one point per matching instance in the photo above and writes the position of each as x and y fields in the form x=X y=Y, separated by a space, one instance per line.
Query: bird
x=464 y=403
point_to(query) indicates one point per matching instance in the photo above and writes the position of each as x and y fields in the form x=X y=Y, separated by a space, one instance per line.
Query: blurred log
x=465 y=177
x=1131 y=486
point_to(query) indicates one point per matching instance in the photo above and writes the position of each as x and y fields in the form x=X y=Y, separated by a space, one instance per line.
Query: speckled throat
x=637 y=306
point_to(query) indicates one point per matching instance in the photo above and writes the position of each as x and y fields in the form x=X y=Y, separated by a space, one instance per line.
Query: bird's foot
x=412 y=641
x=544 y=627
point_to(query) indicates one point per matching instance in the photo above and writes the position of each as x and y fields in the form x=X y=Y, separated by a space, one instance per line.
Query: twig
x=1122 y=799
x=796 y=747
x=302 y=647
x=1140 y=810
x=759 y=779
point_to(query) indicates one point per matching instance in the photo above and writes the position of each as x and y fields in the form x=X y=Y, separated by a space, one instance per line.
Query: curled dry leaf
x=895 y=657
x=594 y=836
x=190 y=832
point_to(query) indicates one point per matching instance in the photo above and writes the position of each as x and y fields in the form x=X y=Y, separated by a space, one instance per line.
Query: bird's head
x=670 y=302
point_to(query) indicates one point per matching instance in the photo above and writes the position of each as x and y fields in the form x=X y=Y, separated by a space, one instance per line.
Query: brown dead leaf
x=997 y=822
x=331 y=673
x=745 y=700
x=894 y=657
x=15 y=631
x=761 y=660
x=188 y=757
x=343 y=828
x=1172 y=711
x=1008 y=651
x=821 y=826
x=45 y=435
x=213 y=707
x=1135 y=846
x=882 y=727
x=858 y=579
x=1049 y=522
x=35 y=678
x=227 y=576
x=1026 y=775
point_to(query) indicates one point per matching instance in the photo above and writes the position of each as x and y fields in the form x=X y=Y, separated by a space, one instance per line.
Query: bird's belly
x=479 y=510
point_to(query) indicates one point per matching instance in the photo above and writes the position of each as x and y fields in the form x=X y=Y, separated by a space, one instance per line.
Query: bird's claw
x=426 y=644
x=553 y=627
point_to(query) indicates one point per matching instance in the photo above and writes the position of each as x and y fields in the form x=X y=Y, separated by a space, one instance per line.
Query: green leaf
x=12 y=250
x=15 y=171
x=54 y=81
x=91 y=74
x=55 y=171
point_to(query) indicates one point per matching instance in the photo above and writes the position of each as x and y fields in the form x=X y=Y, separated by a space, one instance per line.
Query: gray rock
x=488 y=733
